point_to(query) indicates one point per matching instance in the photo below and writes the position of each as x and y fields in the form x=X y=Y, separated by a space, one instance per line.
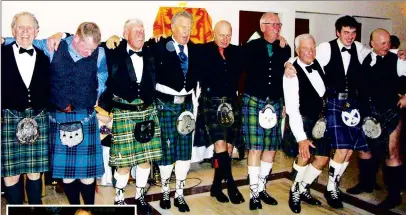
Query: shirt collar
x=29 y=47
x=341 y=45
x=129 y=48
x=301 y=64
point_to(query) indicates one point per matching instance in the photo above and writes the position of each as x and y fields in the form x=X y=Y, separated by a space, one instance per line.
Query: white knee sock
x=334 y=171
x=265 y=169
x=301 y=170
x=181 y=170
x=253 y=173
x=121 y=182
x=165 y=172
x=309 y=176
x=140 y=180
x=343 y=168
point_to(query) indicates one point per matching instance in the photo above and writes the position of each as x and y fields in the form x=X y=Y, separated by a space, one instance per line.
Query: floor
x=200 y=202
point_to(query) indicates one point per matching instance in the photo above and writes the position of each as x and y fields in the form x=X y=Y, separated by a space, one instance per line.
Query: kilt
x=340 y=135
x=256 y=137
x=208 y=129
x=291 y=146
x=81 y=161
x=174 y=145
x=19 y=158
x=389 y=120
x=125 y=150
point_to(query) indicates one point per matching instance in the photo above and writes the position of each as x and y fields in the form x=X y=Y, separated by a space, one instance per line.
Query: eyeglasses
x=273 y=24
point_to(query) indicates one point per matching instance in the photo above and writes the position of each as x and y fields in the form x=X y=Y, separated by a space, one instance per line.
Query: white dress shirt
x=167 y=90
x=138 y=63
x=25 y=64
x=291 y=93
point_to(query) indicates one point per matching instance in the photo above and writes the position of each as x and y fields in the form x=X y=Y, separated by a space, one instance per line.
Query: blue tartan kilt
x=81 y=161
x=256 y=137
x=19 y=158
x=389 y=120
x=175 y=146
x=340 y=135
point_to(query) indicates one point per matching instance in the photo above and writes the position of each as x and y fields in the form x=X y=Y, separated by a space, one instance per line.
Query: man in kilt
x=130 y=97
x=25 y=93
x=305 y=105
x=221 y=63
x=340 y=59
x=264 y=60
x=384 y=88
x=78 y=76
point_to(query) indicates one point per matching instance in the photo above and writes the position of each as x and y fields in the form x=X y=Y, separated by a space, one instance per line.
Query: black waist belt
x=170 y=98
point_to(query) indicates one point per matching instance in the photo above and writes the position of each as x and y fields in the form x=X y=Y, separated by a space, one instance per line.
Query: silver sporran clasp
x=225 y=115
x=267 y=117
x=27 y=131
x=185 y=123
x=371 y=127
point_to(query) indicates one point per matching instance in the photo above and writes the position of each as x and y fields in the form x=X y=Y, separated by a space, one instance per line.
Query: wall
x=110 y=16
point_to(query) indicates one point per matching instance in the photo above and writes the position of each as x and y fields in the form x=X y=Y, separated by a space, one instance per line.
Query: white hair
x=14 y=22
x=181 y=14
x=135 y=21
x=302 y=37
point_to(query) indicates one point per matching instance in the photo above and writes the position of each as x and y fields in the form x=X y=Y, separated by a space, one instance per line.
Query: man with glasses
x=262 y=106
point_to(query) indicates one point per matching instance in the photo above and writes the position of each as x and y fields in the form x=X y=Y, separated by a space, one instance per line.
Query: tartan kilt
x=125 y=150
x=19 y=158
x=208 y=129
x=389 y=120
x=291 y=146
x=340 y=135
x=174 y=145
x=81 y=161
x=256 y=137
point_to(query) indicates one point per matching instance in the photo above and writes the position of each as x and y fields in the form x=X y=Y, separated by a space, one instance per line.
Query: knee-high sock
x=343 y=168
x=72 y=191
x=141 y=180
x=121 y=182
x=88 y=191
x=14 y=194
x=253 y=173
x=310 y=175
x=334 y=171
x=33 y=188
x=165 y=172
x=298 y=174
x=181 y=170
x=263 y=175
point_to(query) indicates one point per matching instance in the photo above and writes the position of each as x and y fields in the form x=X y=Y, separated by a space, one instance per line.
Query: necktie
x=269 y=47
x=29 y=51
x=183 y=59
x=345 y=49
x=311 y=68
x=131 y=52
x=379 y=59
x=221 y=50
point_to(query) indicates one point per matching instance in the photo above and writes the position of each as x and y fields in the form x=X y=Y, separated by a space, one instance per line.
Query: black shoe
x=143 y=207
x=165 y=202
x=358 y=189
x=255 y=203
x=215 y=191
x=266 y=198
x=120 y=202
x=234 y=194
x=180 y=203
x=294 y=200
x=308 y=198
x=390 y=202
x=333 y=198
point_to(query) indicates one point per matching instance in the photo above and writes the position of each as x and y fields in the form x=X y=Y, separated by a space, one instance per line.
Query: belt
x=170 y=98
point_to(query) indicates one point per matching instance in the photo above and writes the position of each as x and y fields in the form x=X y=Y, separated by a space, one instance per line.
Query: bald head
x=380 y=41
x=222 y=34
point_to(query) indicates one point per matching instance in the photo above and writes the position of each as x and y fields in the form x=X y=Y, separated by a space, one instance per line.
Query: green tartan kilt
x=291 y=146
x=125 y=150
x=19 y=158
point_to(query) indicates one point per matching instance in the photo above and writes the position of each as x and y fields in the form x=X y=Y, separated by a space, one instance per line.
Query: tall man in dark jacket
x=262 y=105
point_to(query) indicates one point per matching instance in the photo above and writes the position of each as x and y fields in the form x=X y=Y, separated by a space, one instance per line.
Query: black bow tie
x=29 y=51
x=131 y=52
x=345 y=49
x=311 y=68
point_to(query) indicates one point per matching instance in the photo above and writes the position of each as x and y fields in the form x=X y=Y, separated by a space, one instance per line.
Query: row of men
x=151 y=93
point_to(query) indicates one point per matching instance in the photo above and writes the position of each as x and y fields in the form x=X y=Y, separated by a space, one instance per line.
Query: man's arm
x=102 y=72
